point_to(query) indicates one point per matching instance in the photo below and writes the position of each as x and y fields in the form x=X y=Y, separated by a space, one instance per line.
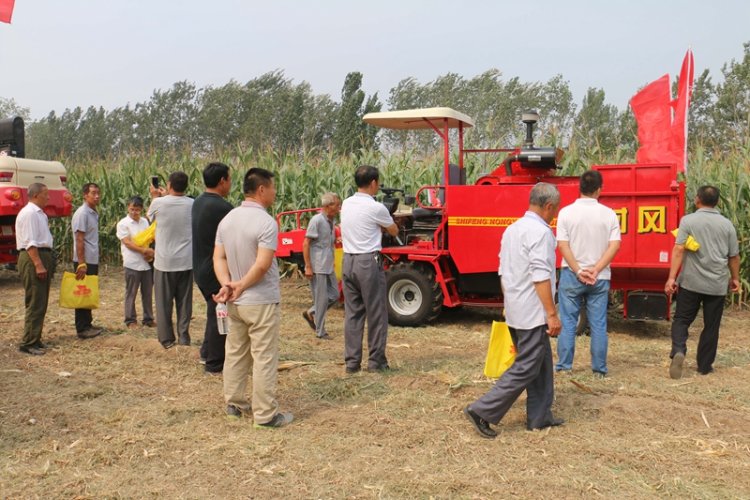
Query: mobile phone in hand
x=155 y=181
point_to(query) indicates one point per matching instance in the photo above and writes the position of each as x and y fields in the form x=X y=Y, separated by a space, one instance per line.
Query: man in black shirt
x=208 y=210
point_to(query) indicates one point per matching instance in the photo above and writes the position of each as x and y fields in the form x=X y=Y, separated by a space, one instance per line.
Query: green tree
x=10 y=108
x=732 y=115
x=351 y=133
x=595 y=128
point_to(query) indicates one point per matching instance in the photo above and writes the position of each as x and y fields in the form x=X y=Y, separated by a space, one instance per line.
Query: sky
x=60 y=54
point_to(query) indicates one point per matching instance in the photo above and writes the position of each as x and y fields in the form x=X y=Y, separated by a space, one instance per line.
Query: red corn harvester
x=446 y=253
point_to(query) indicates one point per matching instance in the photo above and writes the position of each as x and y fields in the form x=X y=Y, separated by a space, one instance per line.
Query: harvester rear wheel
x=414 y=297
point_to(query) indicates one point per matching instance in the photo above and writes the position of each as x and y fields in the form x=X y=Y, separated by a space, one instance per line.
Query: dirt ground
x=119 y=417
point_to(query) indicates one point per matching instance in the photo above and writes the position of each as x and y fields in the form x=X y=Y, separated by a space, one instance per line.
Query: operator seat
x=433 y=215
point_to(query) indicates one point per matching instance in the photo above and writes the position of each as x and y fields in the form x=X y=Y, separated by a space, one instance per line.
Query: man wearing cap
x=36 y=265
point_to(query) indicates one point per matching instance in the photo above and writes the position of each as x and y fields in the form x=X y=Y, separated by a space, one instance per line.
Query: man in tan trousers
x=246 y=268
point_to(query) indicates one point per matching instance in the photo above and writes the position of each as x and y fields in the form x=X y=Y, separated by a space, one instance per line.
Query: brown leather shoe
x=310 y=319
x=150 y=324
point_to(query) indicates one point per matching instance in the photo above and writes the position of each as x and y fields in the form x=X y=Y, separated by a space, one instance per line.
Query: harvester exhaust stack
x=529 y=118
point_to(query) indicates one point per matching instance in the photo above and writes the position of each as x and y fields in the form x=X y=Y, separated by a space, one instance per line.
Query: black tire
x=414 y=297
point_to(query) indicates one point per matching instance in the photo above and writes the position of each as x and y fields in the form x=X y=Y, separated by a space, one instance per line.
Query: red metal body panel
x=290 y=242
x=59 y=205
x=648 y=201
x=479 y=215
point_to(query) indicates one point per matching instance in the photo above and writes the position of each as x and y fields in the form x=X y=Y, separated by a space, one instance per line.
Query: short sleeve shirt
x=128 y=227
x=362 y=223
x=321 y=233
x=706 y=270
x=86 y=220
x=527 y=256
x=242 y=232
x=174 y=233
x=588 y=227
x=208 y=210
x=32 y=228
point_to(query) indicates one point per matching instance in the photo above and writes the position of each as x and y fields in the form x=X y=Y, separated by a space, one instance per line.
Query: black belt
x=38 y=249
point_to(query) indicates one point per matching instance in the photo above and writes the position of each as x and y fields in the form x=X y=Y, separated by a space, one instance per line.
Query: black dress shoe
x=480 y=424
x=90 y=333
x=552 y=423
x=40 y=345
x=353 y=369
x=33 y=350
x=379 y=368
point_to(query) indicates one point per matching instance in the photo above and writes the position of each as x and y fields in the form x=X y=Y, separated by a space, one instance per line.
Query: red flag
x=651 y=107
x=678 y=146
x=6 y=10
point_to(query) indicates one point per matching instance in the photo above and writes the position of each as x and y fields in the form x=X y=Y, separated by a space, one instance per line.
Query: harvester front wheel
x=414 y=297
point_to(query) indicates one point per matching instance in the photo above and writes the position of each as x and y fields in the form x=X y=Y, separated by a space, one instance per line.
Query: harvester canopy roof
x=410 y=119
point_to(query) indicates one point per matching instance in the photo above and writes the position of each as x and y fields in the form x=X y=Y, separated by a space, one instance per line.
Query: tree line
x=272 y=112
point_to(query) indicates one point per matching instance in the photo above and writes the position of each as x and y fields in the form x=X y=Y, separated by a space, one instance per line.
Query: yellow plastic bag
x=82 y=294
x=690 y=244
x=146 y=237
x=501 y=353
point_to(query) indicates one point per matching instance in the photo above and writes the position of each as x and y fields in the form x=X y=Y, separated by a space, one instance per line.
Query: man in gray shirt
x=85 y=226
x=173 y=258
x=245 y=265
x=706 y=274
x=318 y=251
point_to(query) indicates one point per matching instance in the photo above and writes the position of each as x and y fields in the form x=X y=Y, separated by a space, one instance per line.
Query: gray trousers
x=173 y=287
x=133 y=281
x=364 y=297
x=533 y=372
x=325 y=293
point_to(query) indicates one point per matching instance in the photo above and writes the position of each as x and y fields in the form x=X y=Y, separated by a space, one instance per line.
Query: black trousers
x=84 y=317
x=688 y=304
x=212 y=348
x=532 y=372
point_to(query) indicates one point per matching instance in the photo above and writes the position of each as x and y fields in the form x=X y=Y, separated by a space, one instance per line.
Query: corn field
x=300 y=180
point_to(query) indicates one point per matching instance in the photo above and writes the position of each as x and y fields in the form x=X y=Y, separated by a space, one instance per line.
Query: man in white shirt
x=363 y=221
x=36 y=265
x=135 y=261
x=588 y=235
x=173 y=258
x=527 y=274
